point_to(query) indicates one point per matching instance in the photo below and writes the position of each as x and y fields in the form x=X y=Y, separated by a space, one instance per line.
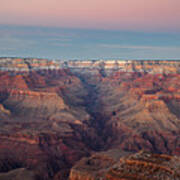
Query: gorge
x=87 y=120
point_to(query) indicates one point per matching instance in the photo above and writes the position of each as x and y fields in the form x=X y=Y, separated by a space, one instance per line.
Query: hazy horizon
x=68 y=43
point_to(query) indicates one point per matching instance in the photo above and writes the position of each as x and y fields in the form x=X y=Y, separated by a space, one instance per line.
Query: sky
x=81 y=29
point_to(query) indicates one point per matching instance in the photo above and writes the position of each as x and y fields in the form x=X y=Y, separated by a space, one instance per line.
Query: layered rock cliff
x=53 y=113
x=149 y=66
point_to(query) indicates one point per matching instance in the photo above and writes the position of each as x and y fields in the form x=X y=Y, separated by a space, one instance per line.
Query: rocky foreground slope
x=53 y=113
x=117 y=165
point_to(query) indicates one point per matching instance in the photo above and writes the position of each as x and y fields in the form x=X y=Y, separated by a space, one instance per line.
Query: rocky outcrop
x=96 y=166
x=18 y=174
x=116 y=165
x=145 y=166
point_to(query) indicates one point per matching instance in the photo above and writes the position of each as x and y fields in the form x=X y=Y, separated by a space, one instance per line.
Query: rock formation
x=118 y=165
x=53 y=113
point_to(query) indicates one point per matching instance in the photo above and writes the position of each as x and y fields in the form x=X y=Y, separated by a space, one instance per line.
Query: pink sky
x=152 y=15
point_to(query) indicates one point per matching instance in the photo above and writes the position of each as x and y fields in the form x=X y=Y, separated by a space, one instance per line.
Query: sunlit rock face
x=53 y=113
x=150 y=66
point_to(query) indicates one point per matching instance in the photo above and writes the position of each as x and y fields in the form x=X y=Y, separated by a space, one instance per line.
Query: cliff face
x=53 y=113
x=42 y=122
x=143 y=106
x=150 y=66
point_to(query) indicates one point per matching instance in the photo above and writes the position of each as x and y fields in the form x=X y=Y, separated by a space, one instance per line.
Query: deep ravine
x=97 y=120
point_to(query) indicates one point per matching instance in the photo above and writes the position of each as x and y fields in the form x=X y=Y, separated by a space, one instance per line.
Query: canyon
x=88 y=120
